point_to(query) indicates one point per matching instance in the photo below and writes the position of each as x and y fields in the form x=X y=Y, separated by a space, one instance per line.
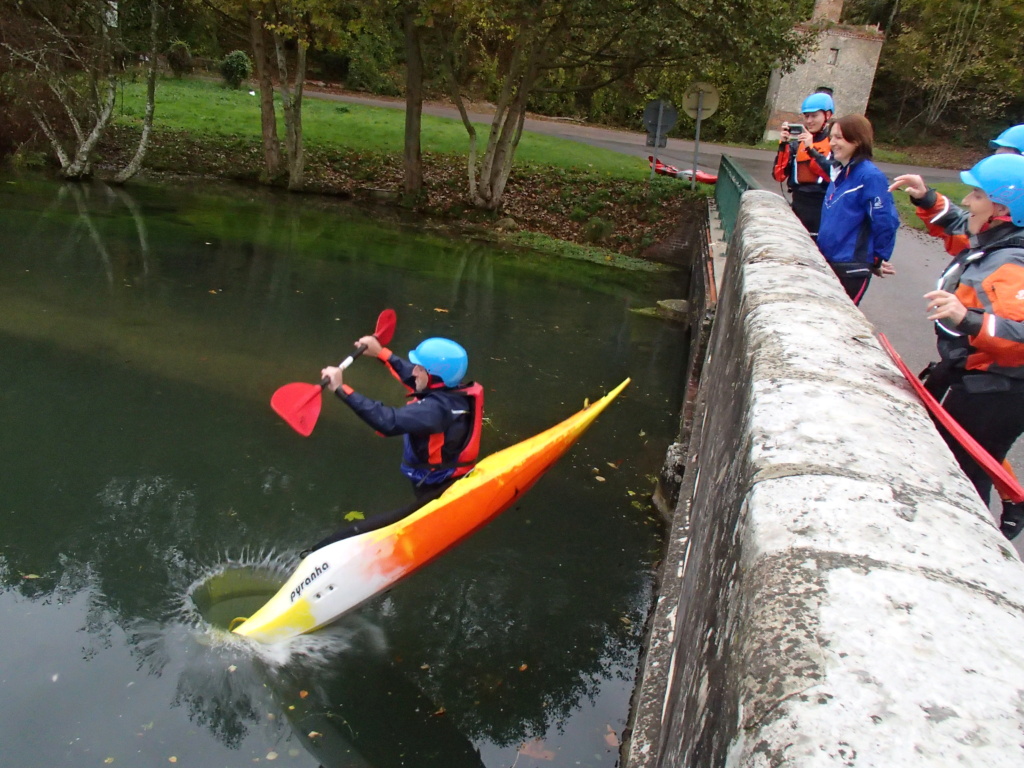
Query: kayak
x=341 y=576
x=670 y=170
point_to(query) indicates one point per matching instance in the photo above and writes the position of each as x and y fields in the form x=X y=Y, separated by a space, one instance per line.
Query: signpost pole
x=657 y=136
x=696 y=143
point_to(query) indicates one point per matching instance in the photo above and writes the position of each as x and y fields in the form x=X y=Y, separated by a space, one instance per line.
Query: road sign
x=703 y=95
x=660 y=116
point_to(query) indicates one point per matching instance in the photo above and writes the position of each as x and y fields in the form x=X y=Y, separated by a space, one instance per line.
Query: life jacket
x=441 y=452
x=802 y=170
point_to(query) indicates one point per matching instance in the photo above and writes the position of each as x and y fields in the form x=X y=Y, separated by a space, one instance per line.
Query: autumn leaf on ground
x=536 y=750
x=610 y=738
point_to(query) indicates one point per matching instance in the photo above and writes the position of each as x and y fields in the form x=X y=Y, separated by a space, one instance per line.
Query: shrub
x=179 y=58
x=235 y=68
x=597 y=229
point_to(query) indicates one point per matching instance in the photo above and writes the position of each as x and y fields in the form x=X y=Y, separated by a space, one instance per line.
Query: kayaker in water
x=441 y=423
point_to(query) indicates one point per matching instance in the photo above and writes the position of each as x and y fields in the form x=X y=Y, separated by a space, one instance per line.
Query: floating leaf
x=109 y=760
x=424 y=666
x=523 y=667
x=30 y=575
x=314 y=734
x=354 y=515
x=440 y=309
x=232 y=668
x=440 y=712
x=536 y=750
x=172 y=759
x=271 y=755
x=610 y=738
x=303 y=694
x=599 y=479
x=642 y=433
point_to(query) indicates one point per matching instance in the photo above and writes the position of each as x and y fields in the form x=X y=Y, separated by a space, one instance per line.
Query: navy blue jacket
x=858 y=218
x=434 y=412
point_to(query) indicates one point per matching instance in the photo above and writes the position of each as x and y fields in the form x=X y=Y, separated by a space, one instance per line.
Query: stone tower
x=842 y=62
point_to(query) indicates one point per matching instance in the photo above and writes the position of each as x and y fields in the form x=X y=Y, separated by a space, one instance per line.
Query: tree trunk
x=147 y=123
x=291 y=105
x=81 y=164
x=413 y=106
x=268 y=117
x=506 y=129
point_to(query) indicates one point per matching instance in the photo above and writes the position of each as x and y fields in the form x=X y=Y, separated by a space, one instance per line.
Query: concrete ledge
x=834 y=592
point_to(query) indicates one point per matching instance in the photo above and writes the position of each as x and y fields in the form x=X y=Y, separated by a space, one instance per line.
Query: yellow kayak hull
x=341 y=576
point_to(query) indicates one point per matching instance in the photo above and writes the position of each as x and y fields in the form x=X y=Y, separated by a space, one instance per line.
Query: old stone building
x=843 y=63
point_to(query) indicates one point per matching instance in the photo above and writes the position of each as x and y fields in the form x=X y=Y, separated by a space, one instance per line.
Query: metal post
x=696 y=143
x=657 y=135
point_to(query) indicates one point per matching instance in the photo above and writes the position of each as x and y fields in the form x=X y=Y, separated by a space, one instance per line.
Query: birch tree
x=67 y=58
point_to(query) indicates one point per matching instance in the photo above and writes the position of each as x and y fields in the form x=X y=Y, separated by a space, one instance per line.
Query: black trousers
x=994 y=419
x=424 y=495
x=807 y=207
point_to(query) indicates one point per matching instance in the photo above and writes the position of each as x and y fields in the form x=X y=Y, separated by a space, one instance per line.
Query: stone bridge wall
x=834 y=593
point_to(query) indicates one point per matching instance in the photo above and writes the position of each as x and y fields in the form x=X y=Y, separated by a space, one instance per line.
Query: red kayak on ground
x=670 y=170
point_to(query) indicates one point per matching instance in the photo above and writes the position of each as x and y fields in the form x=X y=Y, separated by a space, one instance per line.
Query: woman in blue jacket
x=858 y=217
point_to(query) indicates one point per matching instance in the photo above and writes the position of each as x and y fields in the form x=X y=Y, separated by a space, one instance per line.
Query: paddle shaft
x=325 y=381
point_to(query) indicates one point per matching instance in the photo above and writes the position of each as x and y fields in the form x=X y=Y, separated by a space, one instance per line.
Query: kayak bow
x=341 y=576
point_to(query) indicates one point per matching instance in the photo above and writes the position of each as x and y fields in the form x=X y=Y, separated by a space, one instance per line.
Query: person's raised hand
x=373 y=346
x=912 y=183
x=333 y=374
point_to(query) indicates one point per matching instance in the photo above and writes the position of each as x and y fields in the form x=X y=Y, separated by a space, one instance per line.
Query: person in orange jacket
x=804 y=160
x=978 y=310
x=933 y=207
x=944 y=219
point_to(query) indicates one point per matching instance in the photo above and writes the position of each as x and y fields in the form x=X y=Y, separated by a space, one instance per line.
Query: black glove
x=1013 y=519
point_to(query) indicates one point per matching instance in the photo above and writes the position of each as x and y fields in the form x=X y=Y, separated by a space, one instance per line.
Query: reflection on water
x=150 y=496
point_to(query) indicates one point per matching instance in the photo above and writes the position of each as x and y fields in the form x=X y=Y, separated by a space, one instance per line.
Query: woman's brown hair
x=857 y=130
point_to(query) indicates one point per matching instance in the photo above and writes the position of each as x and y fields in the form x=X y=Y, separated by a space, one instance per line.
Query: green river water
x=148 y=492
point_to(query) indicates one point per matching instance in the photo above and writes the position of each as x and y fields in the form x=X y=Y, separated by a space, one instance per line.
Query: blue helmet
x=818 y=102
x=443 y=358
x=1001 y=177
x=1011 y=138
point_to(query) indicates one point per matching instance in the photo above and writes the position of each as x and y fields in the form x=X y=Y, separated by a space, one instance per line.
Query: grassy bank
x=560 y=189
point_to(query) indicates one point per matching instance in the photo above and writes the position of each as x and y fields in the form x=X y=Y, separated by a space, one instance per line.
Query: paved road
x=894 y=305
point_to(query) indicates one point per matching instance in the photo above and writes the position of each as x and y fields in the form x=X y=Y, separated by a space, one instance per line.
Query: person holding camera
x=804 y=159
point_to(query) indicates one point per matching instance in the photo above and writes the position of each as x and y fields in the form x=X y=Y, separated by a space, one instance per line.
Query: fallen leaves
x=610 y=738
x=536 y=750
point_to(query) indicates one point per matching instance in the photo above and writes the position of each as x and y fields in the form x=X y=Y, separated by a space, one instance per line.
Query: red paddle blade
x=299 y=405
x=386 y=326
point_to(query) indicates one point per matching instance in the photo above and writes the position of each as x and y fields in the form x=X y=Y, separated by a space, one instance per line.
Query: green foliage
x=235 y=68
x=372 y=65
x=179 y=57
x=597 y=229
x=955 y=67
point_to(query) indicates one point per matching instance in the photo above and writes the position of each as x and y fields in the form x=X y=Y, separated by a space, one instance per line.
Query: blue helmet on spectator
x=443 y=358
x=1011 y=138
x=818 y=102
x=1001 y=177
